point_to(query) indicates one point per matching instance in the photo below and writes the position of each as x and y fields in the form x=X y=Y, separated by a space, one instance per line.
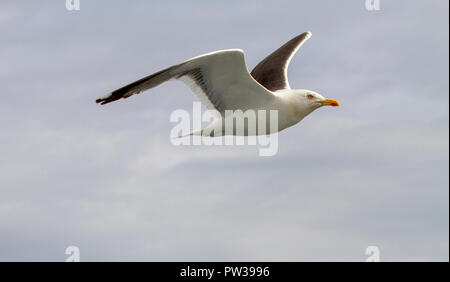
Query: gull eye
x=310 y=96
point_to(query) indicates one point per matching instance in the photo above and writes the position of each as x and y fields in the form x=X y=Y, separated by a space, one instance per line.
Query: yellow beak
x=330 y=102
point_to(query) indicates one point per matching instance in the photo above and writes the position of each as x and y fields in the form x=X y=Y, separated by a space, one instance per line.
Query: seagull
x=222 y=82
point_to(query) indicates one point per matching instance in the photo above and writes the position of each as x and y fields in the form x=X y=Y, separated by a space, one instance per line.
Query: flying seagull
x=222 y=82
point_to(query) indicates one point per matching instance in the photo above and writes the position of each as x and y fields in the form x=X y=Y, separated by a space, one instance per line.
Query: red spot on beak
x=334 y=104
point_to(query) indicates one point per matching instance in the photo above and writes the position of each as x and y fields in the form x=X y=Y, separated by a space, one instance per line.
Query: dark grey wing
x=272 y=71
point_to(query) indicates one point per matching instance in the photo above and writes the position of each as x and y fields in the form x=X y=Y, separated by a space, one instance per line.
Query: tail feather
x=198 y=132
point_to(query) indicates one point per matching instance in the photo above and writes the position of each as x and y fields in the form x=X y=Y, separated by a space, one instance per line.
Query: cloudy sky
x=108 y=180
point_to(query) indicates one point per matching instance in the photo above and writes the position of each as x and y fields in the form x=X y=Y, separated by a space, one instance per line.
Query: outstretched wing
x=220 y=79
x=272 y=71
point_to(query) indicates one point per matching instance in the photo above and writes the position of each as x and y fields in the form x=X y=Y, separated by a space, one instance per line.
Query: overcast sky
x=108 y=180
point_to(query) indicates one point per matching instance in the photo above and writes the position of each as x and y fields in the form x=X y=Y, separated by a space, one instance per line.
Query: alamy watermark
x=73 y=253
x=73 y=5
x=373 y=254
x=372 y=5
x=257 y=127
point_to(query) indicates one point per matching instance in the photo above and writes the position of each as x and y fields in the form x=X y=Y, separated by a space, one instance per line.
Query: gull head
x=315 y=100
x=306 y=101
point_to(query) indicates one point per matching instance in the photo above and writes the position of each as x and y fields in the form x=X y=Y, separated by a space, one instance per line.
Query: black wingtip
x=102 y=101
x=107 y=99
